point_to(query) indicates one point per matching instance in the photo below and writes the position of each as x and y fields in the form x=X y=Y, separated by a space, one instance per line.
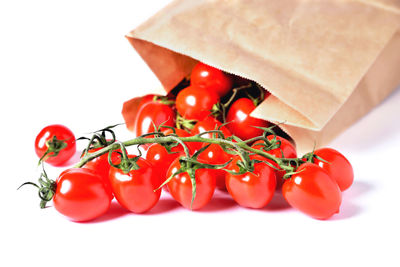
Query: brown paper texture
x=326 y=63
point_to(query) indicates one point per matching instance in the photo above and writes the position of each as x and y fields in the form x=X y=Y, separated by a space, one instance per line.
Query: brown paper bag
x=326 y=62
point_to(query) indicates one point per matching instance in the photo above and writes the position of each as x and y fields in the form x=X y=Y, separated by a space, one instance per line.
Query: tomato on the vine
x=241 y=123
x=286 y=150
x=54 y=139
x=180 y=186
x=211 y=79
x=312 y=191
x=338 y=167
x=81 y=195
x=153 y=112
x=136 y=190
x=180 y=133
x=215 y=155
x=195 y=103
x=208 y=124
x=251 y=189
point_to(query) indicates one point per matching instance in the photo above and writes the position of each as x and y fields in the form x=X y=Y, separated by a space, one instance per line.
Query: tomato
x=252 y=190
x=313 y=192
x=135 y=190
x=241 y=123
x=81 y=195
x=180 y=133
x=101 y=166
x=214 y=154
x=180 y=186
x=159 y=157
x=208 y=124
x=286 y=147
x=153 y=112
x=211 y=79
x=63 y=135
x=338 y=167
x=146 y=99
x=195 y=103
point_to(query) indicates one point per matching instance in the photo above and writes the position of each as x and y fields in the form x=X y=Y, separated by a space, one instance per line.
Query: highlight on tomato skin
x=337 y=165
x=312 y=191
x=81 y=195
x=62 y=134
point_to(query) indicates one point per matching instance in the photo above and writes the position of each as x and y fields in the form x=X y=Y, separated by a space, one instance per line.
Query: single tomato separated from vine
x=81 y=195
x=135 y=190
x=338 y=167
x=211 y=79
x=312 y=191
x=195 y=103
x=58 y=142
x=241 y=123
x=251 y=189
x=180 y=186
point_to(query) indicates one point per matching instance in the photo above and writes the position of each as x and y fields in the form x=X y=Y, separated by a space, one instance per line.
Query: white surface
x=69 y=63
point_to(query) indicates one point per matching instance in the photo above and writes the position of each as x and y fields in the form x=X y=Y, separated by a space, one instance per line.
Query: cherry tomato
x=241 y=123
x=180 y=133
x=286 y=147
x=313 y=192
x=214 y=154
x=208 y=124
x=135 y=190
x=195 y=103
x=159 y=157
x=252 y=190
x=62 y=134
x=81 y=195
x=338 y=167
x=211 y=79
x=180 y=186
x=146 y=99
x=101 y=166
x=153 y=112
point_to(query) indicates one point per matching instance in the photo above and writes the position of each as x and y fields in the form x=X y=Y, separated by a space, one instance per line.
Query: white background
x=68 y=62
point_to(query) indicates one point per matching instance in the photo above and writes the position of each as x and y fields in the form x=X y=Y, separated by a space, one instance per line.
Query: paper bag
x=326 y=63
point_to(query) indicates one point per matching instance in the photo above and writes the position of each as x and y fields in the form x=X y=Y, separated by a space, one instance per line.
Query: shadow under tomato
x=164 y=205
x=277 y=203
x=220 y=201
x=348 y=208
x=115 y=211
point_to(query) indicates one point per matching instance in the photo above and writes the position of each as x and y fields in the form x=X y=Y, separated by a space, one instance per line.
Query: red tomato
x=146 y=99
x=214 y=154
x=241 y=123
x=135 y=190
x=101 y=166
x=180 y=133
x=211 y=79
x=63 y=134
x=153 y=112
x=252 y=190
x=208 y=124
x=195 y=103
x=81 y=195
x=288 y=150
x=159 y=157
x=180 y=186
x=338 y=167
x=313 y=192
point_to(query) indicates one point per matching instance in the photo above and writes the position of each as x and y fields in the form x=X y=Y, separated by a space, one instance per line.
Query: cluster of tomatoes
x=243 y=156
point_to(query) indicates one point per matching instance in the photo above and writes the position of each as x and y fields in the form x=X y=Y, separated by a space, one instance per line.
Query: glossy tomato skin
x=208 y=124
x=338 y=167
x=241 y=123
x=101 y=166
x=81 y=195
x=195 y=103
x=153 y=112
x=135 y=190
x=214 y=154
x=287 y=149
x=251 y=190
x=62 y=133
x=180 y=133
x=211 y=79
x=313 y=192
x=180 y=186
